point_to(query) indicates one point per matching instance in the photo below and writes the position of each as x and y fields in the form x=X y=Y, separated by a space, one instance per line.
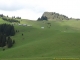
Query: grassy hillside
x=61 y=40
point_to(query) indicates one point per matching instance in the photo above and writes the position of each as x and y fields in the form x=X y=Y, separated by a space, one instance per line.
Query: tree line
x=10 y=20
x=6 y=30
x=1 y=15
x=42 y=18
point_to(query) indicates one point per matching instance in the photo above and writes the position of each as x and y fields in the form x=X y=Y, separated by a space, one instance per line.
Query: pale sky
x=32 y=9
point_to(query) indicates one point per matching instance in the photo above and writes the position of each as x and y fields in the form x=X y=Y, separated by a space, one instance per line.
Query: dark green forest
x=6 y=30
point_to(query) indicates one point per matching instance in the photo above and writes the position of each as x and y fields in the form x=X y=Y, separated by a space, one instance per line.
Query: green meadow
x=59 y=42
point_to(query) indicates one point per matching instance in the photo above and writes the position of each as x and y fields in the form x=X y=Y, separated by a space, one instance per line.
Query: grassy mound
x=61 y=40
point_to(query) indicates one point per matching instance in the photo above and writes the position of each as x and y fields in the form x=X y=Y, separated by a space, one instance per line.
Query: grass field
x=61 y=40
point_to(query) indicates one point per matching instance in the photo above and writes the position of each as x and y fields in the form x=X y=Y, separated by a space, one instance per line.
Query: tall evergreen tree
x=9 y=42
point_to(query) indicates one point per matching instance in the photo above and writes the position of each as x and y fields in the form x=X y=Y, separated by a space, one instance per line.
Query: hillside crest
x=55 y=16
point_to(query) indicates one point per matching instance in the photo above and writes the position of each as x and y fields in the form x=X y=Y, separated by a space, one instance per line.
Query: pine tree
x=9 y=42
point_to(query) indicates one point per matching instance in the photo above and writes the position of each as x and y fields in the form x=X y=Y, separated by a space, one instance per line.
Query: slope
x=47 y=43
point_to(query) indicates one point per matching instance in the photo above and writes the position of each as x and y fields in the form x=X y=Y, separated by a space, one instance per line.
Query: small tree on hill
x=22 y=34
x=9 y=42
x=13 y=41
x=7 y=15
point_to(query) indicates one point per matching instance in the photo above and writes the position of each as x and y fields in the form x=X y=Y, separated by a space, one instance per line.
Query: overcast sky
x=32 y=9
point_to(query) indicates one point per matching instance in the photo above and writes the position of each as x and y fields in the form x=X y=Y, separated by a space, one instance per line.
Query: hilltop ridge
x=53 y=16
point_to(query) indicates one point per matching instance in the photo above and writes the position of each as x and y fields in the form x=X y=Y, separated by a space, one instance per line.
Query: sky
x=32 y=9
